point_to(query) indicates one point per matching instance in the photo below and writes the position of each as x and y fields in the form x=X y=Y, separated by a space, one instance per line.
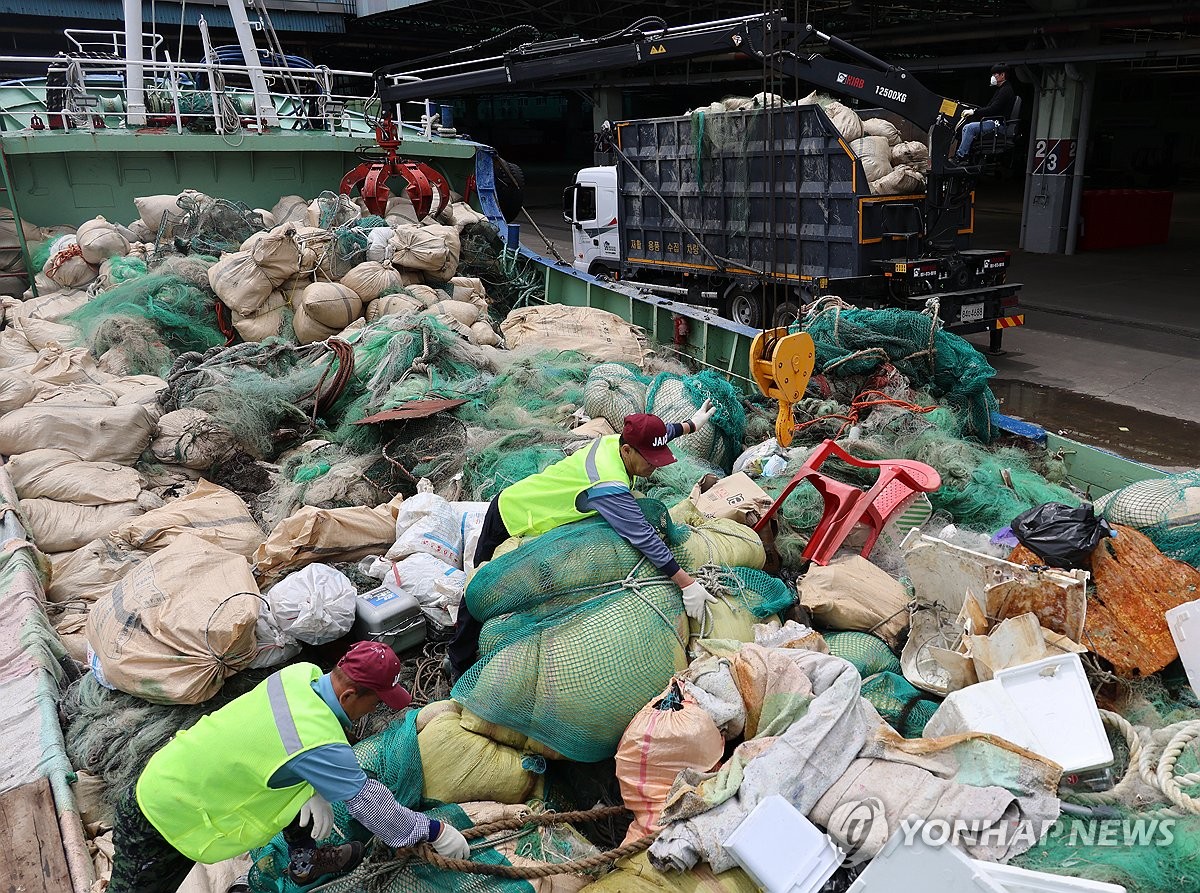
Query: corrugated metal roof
x=168 y=14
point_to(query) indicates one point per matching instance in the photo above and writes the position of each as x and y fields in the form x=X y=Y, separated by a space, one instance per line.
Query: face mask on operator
x=994 y=80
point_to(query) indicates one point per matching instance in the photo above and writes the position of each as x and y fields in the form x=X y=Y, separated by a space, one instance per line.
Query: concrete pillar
x=607 y=105
x=1056 y=139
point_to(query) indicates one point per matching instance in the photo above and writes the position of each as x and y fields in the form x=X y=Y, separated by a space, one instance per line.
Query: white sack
x=62 y=476
x=95 y=433
x=428 y=523
x=315 y=605
x=435 y=585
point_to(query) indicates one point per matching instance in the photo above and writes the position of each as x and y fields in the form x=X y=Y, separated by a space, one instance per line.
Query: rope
x=1156 y=770
x=426 y=853
x=864 y=401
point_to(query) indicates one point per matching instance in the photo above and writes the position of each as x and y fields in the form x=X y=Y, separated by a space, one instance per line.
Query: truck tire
x=510 y=189
x=744 y=307
x=788 y=313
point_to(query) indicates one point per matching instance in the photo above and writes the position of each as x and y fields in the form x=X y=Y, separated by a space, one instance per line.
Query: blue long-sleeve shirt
x=334 y=773
x=615 y=504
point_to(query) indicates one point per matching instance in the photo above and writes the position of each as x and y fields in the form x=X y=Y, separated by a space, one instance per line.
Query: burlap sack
x=464 y=313
x=16 y=390
x=290 y=209
x=460 y=215
x=884 y=128
x=904 y=179
x=483 y=333
x=331 y=304
x=434 y=249
x=308 y=329
x=275 y=252
x=241 y=284
x=66 y=265
x=260 y=326
x=178 y=624
x=95 y=433
x=471 y=290
x=51 y=306
x=99 y=240
x=597 y=333
x=389 y=305
x=91 y=571
x=913 y=152
x=328 y=535
x=191 y=438
x=63 y=526
x=209 y=512
x=875 y=155
x=62 y=476
x=853 y=594
x=62 y=367
x=371 y=278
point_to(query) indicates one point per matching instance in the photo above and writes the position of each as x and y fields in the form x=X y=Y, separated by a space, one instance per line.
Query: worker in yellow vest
x=272 y=760
x=595 y=480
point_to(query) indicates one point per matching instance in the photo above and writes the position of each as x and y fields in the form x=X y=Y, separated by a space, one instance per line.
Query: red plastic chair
x=847 y=506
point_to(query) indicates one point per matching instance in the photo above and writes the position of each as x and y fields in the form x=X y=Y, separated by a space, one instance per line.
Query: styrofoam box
x=982 y=707
x=781 y=850
x=917 y=867
x=1057 y=704
x=1184 y=622
x=1021 y=880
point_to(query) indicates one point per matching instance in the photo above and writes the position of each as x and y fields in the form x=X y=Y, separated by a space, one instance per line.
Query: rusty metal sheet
x=415 y=409
x=1135 y=585
x=1060 y=608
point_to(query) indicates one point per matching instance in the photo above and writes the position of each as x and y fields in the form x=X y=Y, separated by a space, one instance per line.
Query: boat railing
x=183 y=94
x=88 y=40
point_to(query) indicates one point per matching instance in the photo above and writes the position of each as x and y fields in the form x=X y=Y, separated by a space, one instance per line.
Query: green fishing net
x=1167 y=510
x=674 y=398
x=869 y=654
x=904 y=707
x=151 y=319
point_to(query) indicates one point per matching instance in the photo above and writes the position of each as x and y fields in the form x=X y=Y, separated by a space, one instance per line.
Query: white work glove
x=968 y=113
x=703 y=415
x=695 y=597
x=317 y=812
x=450 y=843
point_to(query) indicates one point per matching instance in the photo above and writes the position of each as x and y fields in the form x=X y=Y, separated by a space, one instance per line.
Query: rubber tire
x=600 y=271
x=787 y=314
x=745 y=308
x=510 y=189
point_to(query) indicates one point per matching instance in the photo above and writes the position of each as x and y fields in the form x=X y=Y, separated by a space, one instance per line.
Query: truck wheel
x=510 y=189
x=744 y=307
x=600 y=271
x=788 y=314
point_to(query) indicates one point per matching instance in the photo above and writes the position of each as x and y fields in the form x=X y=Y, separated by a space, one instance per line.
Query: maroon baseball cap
x=375 y=666
x=648 y=435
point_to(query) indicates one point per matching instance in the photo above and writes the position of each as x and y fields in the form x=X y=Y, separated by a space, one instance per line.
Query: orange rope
x=864 y=401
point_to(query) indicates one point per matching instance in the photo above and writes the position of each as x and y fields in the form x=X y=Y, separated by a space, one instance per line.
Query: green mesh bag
x=614 y=391
x=674 y=398
x=580 y=632
x=905 y=708
x=869 y=654
x=853 y=341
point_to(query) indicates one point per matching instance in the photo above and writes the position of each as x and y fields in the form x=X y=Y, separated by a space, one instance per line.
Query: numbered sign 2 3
x=1055 y=157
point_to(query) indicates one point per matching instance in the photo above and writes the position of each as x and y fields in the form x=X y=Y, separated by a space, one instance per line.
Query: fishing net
x=1166 y=510
x=674 y=398
x=334 y=210
x=614 y=391
x=869 y=654
x=151 y=319
x=855 y=342
x=512 y=280
x=580 y=631
x=210 y=226
x=905 y=708
x=113 y=735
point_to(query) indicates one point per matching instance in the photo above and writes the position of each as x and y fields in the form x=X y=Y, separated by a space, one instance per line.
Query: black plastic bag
x=1061 y=535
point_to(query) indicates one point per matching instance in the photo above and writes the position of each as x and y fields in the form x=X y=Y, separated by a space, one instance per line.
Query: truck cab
x=590 y=206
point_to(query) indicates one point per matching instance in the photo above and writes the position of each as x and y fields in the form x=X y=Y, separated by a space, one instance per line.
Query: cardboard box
x=732 y=497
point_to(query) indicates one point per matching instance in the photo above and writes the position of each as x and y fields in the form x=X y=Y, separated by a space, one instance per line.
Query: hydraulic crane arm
x=755 y=36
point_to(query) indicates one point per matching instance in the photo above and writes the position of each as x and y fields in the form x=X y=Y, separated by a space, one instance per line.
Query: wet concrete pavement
x=1111 y=341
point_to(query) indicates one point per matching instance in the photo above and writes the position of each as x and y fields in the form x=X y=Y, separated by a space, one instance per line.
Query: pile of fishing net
x=580 y=631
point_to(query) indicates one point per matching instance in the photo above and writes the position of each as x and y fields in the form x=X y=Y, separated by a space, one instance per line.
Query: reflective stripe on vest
x=207 y=791
x=549 y=499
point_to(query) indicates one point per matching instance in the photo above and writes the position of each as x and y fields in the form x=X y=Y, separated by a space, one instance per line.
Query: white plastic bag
x=428 y=523
x=272 y=645
x=437 y=587
x=314 y=605
x=471 y=526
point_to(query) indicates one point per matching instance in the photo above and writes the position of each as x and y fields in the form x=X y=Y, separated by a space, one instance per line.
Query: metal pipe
x=135 y=90
x=1085 y=121
x=668 y=289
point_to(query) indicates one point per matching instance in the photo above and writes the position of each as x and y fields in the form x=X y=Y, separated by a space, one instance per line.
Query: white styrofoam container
x=1184 y=622
x=1022 y=880
x=1057 y=704
x=982 y=707
x=920 y=868
x=781 y=850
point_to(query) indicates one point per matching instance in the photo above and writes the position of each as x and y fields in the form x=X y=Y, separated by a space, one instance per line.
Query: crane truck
x=761 y=211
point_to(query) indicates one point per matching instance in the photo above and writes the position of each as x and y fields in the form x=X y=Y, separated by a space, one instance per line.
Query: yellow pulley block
x=781 y=365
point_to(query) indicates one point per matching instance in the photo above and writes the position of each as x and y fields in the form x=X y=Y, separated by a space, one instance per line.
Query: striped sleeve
x=376 y=809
